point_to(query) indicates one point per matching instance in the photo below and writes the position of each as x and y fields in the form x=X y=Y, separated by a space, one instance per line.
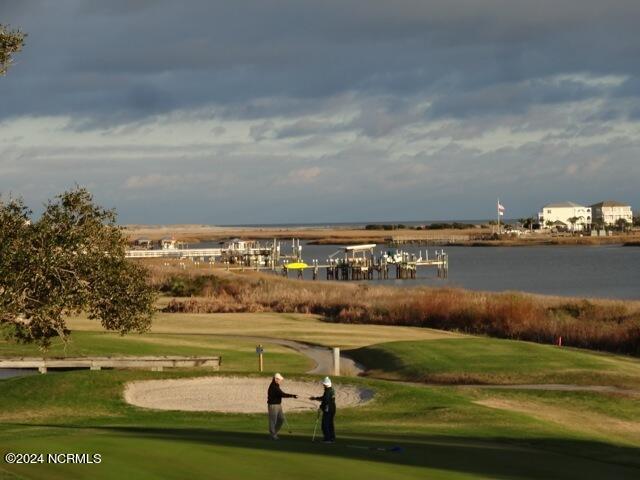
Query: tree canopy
x=70 y=260
x=11 y=41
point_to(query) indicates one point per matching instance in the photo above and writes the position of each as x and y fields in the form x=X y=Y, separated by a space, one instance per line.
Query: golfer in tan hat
x=274 y=404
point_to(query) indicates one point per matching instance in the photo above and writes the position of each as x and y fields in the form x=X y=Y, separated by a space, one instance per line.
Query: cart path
x=322 y=356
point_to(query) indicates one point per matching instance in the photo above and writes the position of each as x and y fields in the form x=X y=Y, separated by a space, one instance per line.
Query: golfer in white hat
x=274 y=405
x=328 y=407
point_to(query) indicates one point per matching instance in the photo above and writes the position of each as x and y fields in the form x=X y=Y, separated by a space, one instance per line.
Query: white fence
x=175 y=253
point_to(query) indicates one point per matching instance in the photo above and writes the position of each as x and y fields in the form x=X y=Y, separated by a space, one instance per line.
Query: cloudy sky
x=270 y=111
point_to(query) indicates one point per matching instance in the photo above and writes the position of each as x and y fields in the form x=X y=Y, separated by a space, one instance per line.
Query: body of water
x=15 y=372
x=609 y=271
x=604 y=271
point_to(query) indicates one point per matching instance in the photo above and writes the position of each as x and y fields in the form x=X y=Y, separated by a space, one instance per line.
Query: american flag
x=500 y=209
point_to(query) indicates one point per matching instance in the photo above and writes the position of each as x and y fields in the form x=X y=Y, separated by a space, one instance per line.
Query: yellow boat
x=296 y=266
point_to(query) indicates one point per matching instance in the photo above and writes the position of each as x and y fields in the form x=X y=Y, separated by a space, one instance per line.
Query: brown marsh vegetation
x=606 y=325
x=348 y=235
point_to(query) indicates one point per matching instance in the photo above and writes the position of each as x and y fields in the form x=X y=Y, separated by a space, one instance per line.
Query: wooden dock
x=360 y=263
x=235 y=254
x=155 y=363
x=434 y=240
x=356 y=262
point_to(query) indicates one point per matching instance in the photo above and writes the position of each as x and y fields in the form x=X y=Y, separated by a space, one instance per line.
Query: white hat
x=326 y=382
x=277 y=376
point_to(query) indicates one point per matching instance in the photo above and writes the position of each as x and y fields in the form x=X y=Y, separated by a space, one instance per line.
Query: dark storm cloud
x=328 y=110
x=120 y=61
x=512 y=97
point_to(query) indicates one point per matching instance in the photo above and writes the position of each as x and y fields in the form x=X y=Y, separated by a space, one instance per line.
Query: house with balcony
x=609 y=213
x=568 y=216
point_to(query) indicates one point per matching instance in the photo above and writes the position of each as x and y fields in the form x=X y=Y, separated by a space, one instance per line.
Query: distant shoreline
x=348 y=235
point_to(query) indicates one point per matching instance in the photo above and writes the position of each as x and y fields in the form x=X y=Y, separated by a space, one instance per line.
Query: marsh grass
x=612 y=326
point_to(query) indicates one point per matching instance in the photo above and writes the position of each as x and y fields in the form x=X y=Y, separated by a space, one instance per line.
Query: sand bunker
x=233 y=394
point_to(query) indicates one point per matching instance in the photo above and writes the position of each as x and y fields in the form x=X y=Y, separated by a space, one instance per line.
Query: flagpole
x=498 y=207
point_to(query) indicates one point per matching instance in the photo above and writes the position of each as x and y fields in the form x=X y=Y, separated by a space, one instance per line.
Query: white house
x=565 y=215
x=610 y=212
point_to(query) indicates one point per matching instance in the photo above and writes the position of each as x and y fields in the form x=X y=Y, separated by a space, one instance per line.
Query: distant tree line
x=431 y=226
x=377 y=226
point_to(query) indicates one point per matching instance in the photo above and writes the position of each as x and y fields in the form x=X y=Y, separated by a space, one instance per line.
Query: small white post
x=336 y=361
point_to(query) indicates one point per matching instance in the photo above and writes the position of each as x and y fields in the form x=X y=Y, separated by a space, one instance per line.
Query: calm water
x=608 y=271
x=601 y=271
x=11 y=372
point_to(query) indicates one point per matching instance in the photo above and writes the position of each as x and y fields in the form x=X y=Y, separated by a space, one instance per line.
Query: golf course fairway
x=425 y=422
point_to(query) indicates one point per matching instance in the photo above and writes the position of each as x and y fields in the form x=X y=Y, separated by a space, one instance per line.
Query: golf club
x=315 y=427
x=286 y=422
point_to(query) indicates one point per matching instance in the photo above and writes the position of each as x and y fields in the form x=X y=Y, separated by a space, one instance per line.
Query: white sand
x=233 y=394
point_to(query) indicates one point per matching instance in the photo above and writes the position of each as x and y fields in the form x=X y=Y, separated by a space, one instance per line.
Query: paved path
x=322 y=356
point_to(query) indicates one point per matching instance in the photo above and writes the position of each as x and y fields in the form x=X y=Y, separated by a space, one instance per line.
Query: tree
x=11 y=41
x=622 y=224
x=573 y=221
x=72 y=259
x=527 y=222
x=598 y=224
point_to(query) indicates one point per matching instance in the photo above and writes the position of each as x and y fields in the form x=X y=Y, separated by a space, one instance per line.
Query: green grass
x=604 y=416
x=294 y=326
x=443 y=433
x=487 y=360
x=237 y=355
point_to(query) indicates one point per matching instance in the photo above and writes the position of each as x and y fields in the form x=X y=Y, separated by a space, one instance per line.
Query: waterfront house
x=575 y=216
x=609 y=213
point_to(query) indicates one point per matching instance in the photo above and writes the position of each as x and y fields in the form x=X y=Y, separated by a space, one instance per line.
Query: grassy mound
x=494 y=361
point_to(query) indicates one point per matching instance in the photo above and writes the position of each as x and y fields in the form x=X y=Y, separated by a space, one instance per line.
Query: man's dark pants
x=328 y=429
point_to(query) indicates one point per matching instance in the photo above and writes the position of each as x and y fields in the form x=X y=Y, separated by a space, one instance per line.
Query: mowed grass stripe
x=300 y=327
x=495 y=361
